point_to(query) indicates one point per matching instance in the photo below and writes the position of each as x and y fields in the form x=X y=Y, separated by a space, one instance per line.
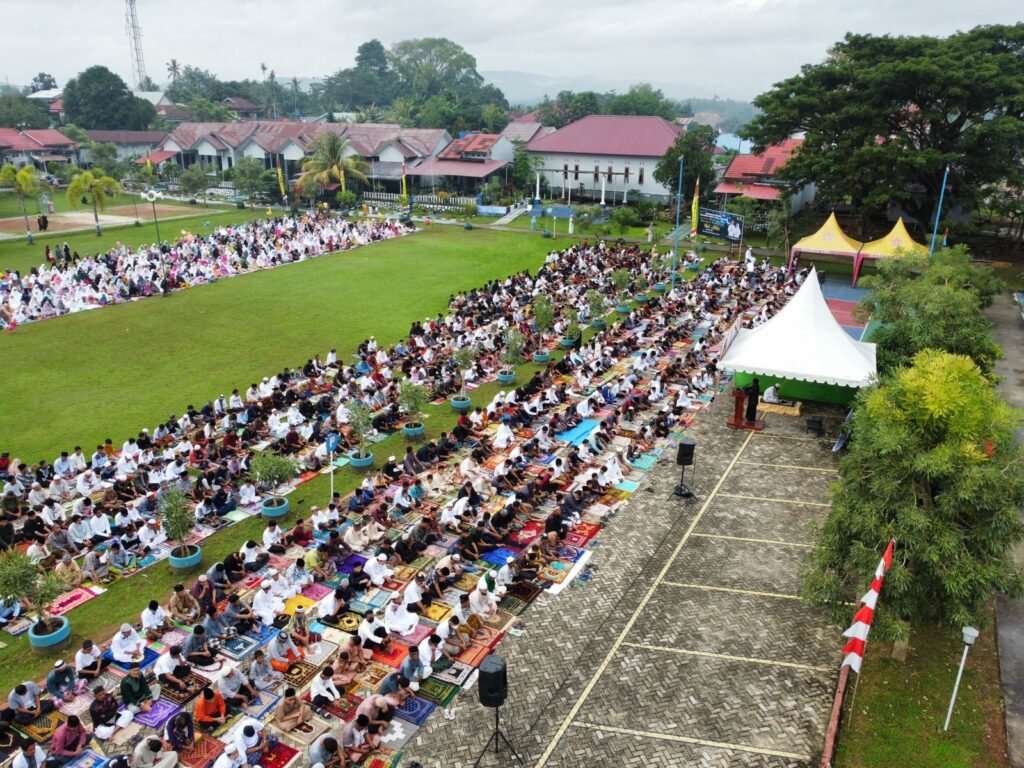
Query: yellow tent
x=829 y=239
x=898 y=242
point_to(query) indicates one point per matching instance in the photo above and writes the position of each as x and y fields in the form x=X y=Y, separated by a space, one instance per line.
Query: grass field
x=9 y=205
x=18 y=254
x=899 y=708
x=107 y=373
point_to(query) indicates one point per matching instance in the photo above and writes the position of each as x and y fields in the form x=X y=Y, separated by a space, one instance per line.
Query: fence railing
x=450 y=201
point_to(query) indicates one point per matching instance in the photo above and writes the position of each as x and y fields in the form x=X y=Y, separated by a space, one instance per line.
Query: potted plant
x=621 y=279
x=571 y=334
x=641 y=289
x=179 y=520
x=20 y=579
x=412 y=398
x=543 y=320
x=513 y=344
x=273 y=470
x=360 y=424
x=463 y=359
x=595 y=306
x=662 y=265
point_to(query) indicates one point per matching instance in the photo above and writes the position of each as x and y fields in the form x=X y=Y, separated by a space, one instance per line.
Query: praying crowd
x=67 y=282
x=330 y=641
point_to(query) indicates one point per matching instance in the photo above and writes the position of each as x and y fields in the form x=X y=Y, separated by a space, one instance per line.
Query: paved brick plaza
x=688 y=647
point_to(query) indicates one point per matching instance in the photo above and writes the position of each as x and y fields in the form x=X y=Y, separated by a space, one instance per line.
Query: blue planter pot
x=659 y=287
x=622 y=309
x=360 y=462
x=642 y=298
x=599 y=322
x=567 y=343
x=506 y=377
x=188 y=562
x=416 y=431
x=541 y=357
x=52 y=640
x=269 y=510
x=461 y=404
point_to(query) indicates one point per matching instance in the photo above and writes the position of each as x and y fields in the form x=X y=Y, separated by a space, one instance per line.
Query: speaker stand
x=500 y=741
x=682 y=490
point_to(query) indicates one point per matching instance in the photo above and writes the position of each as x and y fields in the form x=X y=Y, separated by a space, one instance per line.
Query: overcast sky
x=733 y=48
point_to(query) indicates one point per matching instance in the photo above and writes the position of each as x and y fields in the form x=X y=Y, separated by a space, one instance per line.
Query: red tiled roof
x=620 y=135
x=57 y=105
x=751 y=167
x=156 y=157
x=468 y=170
x=237 y=102
x=13 y=141
x=475 y=143
x=521 y=130
x=754 y=191
x=127 y=137
x=50 y=138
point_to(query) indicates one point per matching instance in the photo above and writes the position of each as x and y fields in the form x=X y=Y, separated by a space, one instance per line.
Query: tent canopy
x=896 y=242
x=803 y=342
x=829 y=239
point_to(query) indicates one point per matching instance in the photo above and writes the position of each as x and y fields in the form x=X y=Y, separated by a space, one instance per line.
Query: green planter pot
x=567 y=343
x=506 y=377
x=360 y=462
x=643 y=298
x=413 y=430
x=622 y=309
x=599 y=322
x=659 y=287
x=51 y=640
x=461 y=404
x=541 y=357
x=189 y=562
x=269 y=509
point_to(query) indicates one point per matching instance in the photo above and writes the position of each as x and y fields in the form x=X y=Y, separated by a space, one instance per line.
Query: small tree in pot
x=273 y=470
x=179 y=520
x=641 y=288
x=360 y=423
x=621 y=279
x=20 y=579
x=544 y=320
x=571 y=334
x=513 y=344
x=595 y=306
x=412 y=398
x=463 y=359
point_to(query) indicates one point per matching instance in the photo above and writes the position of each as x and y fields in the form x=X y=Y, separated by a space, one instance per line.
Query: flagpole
x=938 y=213
x=679 y=209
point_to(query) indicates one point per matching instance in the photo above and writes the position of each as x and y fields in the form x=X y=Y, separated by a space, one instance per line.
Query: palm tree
x=295 y=93
x=93 y=186
x=25 y=183
x=174 y=70
x=331 y=162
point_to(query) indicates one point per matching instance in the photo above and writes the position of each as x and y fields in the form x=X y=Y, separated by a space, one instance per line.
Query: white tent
x=803 y=342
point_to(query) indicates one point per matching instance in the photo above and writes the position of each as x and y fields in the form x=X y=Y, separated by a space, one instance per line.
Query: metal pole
x=956 y=686
x=938 y=213
x=679 y=210
x=156 y=222
x=332 y=474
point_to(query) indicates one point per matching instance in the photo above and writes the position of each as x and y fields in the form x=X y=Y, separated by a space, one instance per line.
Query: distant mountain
x=528 y=88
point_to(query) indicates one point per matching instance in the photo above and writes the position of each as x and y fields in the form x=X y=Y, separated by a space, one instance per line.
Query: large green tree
x=640 y=99
x=332 y=162
x=883 y=116
x=99 y=99
x=18 y=111
x=697 y=147
x=42 y=82
x=934 y=465
x=568 y=107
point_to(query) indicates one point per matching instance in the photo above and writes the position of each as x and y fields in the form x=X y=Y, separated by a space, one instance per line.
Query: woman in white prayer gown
x=504 y=436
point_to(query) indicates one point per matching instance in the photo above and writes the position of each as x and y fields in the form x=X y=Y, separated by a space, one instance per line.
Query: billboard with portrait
x=728 y=226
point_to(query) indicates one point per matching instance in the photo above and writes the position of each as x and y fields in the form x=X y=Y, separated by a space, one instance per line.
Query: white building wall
x=615 y=188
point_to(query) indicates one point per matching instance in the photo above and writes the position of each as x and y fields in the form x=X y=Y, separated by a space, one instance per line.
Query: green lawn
x=10 y=206
x=108 y=373
x=899 y=708
x=18 y=254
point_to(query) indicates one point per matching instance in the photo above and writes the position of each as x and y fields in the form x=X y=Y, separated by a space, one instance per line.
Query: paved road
x=690 y=646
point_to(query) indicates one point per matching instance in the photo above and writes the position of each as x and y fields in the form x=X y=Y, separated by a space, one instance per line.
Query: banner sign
x=728 y=226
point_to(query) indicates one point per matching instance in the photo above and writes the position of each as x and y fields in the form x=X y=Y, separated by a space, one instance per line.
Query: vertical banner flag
x=858 y=631
x=280 y=178
x=695 y=208
x=403 y=179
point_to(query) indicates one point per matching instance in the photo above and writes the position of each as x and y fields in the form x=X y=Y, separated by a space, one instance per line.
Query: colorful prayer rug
x=393 y=585
x=78 y=705
x=383 y=757
x=374 y=675
x=300 y=673
x=238 y=647
x=88 y=759
x=526 y=535
x=456 y=674
x=262 y=705
x=294 y=602
x=343 y=708
x=555 y=571
x=149 y=657
x=42 y=728
x=279 y=756
x=195 y=684
x=205 y=749
x=513 y=605
x=415 y=710
x=405 y=573
x=69 y=600
x=488 y=635
x=499 y=620
x=393 y=656
x=437 y=692
x=499 y=556
x=348 y=622
x=323 y=650
x=419 y=633
x=570 y=554
x=422 y=563
x=161 y=711
x=174 y=637
x=262 y=634
x=467 y=582
x=316 y=591
x=474 y=654
x=437 y=612
x=587 y=530
x=398 y=734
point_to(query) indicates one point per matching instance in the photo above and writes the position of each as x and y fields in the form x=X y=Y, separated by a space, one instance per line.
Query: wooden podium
x=737 y=420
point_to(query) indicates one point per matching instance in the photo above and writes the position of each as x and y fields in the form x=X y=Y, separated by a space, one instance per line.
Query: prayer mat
x=262 y=634
x=575 y=539
x=627 y=486
x=161 y=711
x=88 y=759
x=17 y=626
x=237 y=515
x=348 y=622
x=419 y=633
x=437 y=692
x=405 y=573
x=306 y=733
x=174 y=637
x=344 y=708
x=110 y=680
x=437 y=612
x=261 y=706
x=398 y=734
x=253 y=580
x=513 y=605
x=294 y=602
x=422 y=563
x=42 y=728
x=279 y=562
x=279 y=756
x=374 y=675
x=195 y=684
x=377 y=599
x=467 y=582
x=526 y=535
x=488 y=635
x=324 y=649
x=499 y=556
x=300 y=673
x=456 y=674
x=78 y=705
x=359 y=608
x=126 y=737
x=316 y=591
x=69 y=600
x=224 y=727
x=474 y=654
x=238 y=647
x=570 y=554
x=435 y=551
x=205 y=749
x=555 y=571
x=149 y=657
x=393 y=585
x=393 y=656
x=645 y=461
x=383 y=757
x=415 y=710
x=579 y=433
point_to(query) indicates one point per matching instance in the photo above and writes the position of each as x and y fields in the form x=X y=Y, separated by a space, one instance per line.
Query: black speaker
x=684 y=456
x=493 y=681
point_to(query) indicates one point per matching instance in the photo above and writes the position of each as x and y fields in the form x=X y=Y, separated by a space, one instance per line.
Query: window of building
x=640 y=175
x=609 y=173
x=597 y=173
x=576 y=172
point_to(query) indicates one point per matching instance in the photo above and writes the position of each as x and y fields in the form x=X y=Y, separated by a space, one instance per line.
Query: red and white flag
x=858 y=631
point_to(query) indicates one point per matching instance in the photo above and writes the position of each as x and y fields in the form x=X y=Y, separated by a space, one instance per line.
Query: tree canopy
x=42 y=82
x=696 y=146
x=99 y=99
x=640 y=99
x=883 y=116
x=19 y=111
x=934 y=465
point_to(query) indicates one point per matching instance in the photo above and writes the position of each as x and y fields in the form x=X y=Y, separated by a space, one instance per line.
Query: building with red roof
x=36 y=147
x=467 y=163
x=755 y=176
x=606 y=157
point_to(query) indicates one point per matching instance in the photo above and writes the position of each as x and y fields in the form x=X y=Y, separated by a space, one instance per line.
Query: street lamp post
x=151 y=196
x=970 y=635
